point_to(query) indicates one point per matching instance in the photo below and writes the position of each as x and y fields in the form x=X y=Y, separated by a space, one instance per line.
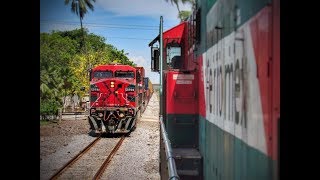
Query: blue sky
x=127 y=24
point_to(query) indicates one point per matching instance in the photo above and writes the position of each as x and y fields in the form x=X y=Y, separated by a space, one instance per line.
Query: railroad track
x=84 y=151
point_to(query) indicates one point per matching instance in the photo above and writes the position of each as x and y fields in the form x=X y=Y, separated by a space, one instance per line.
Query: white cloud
x=141 y=61
x=153 y=8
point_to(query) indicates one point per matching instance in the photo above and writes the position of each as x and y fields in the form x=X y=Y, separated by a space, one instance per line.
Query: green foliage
x=64 y=66
x=56 y=50
x=183 y=15
x=48 y=108
x=95 y=42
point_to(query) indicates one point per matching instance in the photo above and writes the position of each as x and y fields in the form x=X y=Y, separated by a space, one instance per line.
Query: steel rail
x=106 y=162
x=74 y=159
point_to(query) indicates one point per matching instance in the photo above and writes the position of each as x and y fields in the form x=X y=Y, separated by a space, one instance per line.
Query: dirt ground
x=65 y=128
x=56 y=135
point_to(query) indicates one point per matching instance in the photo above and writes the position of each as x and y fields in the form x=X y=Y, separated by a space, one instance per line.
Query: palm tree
x=80 y=8
x=182 y=14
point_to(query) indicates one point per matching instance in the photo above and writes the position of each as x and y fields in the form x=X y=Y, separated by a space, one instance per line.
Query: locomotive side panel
x=182 y=108
x=241 y=74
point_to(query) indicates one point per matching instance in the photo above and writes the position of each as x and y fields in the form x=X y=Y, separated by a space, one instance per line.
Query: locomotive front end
x=112 y=106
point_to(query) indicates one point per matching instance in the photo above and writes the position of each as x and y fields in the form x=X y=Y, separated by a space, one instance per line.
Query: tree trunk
x=82 y=44
x=64 y=101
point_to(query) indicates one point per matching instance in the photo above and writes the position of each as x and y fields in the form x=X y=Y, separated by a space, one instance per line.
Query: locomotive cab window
x=124 y=74
x=174 y=55
x=154 y=59
x=102 y=74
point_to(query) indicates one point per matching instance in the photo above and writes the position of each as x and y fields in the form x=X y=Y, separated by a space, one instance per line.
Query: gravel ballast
x=137 y=157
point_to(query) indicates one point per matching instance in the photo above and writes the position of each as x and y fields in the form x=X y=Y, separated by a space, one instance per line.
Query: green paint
x=182 y=130
x=210 y=3
x=228 y=157
x=249 y=8
x=225 y=16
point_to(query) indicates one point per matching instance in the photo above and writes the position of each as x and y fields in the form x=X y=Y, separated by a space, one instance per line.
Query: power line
x=119 y=26
x=128 y=38
x=134 y=38
x=139 y=27
x=105 y=26
x=73 y=22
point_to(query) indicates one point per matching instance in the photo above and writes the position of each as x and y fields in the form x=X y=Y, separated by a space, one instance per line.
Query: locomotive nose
x=113 y=92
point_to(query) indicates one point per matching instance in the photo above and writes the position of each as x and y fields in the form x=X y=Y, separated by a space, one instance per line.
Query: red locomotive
x=116 y=98
x=221 y=90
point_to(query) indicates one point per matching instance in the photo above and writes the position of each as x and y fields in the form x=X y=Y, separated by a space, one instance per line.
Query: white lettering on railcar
x=183 y=82
x=183 y=76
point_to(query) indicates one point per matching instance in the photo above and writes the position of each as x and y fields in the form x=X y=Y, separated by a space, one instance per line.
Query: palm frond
x=74 y=7
x=89 y=4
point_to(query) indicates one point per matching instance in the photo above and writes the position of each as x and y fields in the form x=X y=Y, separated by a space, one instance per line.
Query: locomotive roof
x=174 y=32
x=114 y=67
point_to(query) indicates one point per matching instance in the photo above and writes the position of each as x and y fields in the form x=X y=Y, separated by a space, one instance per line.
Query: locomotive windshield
x=124 y=74
x=102 y=74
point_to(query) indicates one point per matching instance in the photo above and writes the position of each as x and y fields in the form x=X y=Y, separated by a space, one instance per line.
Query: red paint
x=181 y=93
x=113 y=96
x=202 y=102
x=142 y=75
x=177 y=34
x=265 y=40
x=275 y=108
x=117 y=96
x=175 y=105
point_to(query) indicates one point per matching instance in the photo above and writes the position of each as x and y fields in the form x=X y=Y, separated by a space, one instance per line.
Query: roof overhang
x=154 y=40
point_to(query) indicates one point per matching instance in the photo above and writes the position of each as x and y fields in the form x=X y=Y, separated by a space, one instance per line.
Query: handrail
x=170 y=159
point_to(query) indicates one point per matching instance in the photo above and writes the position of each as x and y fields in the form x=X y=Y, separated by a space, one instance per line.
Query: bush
x=49 y=109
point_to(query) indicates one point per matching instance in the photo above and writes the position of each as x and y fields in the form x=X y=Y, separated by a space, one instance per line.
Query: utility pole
x=161 y=63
